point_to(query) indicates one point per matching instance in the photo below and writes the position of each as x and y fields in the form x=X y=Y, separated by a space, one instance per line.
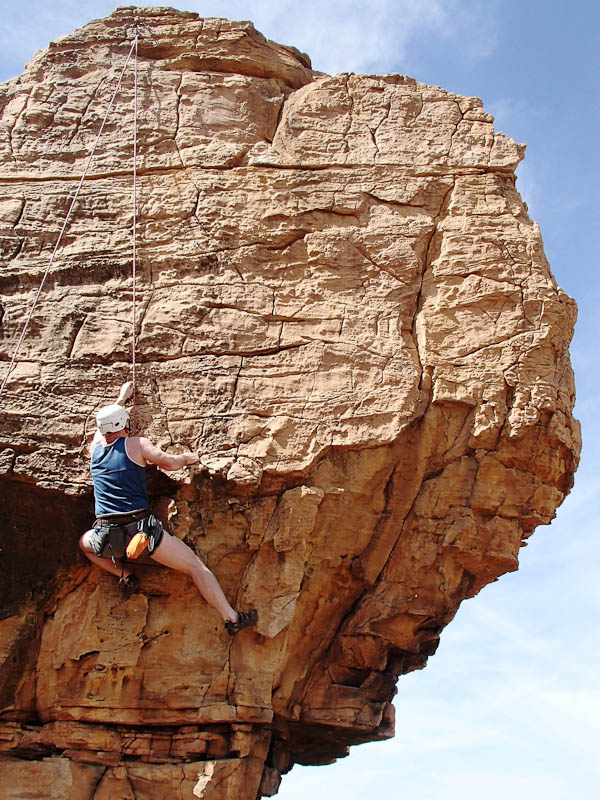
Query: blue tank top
x=119 y=483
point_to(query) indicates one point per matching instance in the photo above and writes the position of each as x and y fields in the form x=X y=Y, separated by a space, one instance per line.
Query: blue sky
x=510 y=704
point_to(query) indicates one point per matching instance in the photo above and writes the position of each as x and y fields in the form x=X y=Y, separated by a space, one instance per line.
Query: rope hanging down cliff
x=133 y=50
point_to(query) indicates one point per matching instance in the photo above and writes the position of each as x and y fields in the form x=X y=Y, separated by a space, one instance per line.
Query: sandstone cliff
x=344 y=306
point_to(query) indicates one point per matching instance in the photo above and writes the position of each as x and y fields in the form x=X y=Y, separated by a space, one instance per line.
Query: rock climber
x=118 y=467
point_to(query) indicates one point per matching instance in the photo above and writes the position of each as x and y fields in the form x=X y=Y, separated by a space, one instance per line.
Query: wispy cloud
x=31 y=25
x=513 y=115
x=339 y=35
x=368 y=35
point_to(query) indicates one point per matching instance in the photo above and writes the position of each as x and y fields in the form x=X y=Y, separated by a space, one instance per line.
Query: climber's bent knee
x=85 y=541
x=94 y=540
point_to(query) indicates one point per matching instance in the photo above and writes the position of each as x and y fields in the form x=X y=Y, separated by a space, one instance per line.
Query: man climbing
x=118 y=467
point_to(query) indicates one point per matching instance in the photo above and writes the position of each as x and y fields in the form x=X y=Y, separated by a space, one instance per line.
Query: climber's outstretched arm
x=125 y=393
x=154 y=455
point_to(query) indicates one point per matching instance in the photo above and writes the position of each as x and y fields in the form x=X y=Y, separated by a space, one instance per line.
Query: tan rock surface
x=344 y=306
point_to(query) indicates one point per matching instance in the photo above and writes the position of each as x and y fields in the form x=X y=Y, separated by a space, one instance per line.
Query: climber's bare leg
x=104 y=563
x=174 y=553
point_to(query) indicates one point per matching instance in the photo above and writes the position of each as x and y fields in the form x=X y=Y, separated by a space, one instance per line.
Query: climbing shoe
x=129 y=585
x=244 y=620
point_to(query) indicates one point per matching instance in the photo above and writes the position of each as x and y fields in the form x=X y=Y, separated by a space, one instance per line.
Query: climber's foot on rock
x=129 y=585
x=245 y=619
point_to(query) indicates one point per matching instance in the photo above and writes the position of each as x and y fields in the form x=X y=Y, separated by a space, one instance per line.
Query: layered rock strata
x=344 y=306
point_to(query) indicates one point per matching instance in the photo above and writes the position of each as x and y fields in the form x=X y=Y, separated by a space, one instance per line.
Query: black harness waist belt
x=124 y=519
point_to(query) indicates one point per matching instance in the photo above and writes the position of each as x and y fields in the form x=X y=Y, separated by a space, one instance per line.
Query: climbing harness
x=123 y=537
x=133 y=50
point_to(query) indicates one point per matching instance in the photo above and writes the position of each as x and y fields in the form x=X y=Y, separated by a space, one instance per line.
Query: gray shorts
x=109 y=538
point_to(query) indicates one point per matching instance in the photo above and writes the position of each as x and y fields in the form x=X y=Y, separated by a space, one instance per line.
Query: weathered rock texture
x=344 y=306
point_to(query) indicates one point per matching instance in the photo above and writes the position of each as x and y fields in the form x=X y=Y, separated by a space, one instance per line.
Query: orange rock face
x=343 y=305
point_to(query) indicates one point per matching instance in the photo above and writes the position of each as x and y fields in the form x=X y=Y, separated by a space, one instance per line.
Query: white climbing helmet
x=112 y=419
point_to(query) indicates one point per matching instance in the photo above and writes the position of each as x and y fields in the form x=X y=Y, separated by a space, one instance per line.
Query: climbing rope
x=133 y=50
x=136 y=34
x=134 y=258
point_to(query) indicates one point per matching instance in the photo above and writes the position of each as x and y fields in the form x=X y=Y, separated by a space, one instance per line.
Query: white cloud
x=530 y=185
x=497 y=785
x=512 y=114
x=339 y=35
x=368 y=35
x=30 y=25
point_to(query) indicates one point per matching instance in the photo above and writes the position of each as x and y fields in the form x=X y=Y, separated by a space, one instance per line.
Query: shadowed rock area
x=343 y=305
